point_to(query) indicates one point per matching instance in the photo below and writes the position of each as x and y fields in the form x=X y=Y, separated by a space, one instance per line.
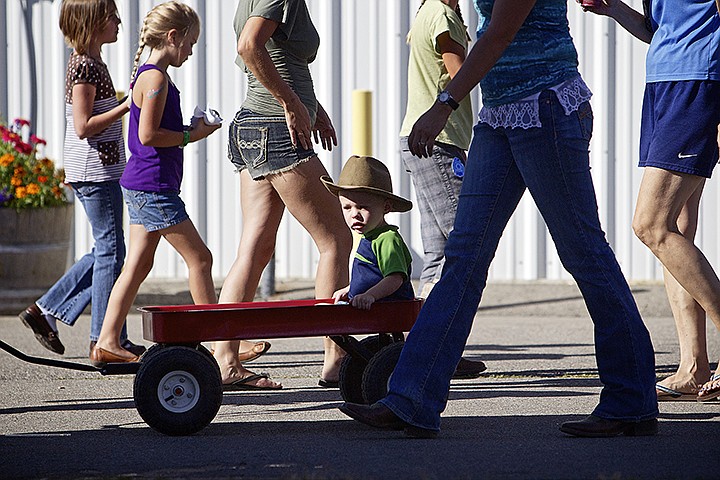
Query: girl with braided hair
x=151 y=181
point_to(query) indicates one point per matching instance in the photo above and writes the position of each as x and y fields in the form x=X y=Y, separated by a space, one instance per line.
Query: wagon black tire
x=160 y=346
x=178 y=390
x=377 y=373
x=351 y=372
x=152 y=351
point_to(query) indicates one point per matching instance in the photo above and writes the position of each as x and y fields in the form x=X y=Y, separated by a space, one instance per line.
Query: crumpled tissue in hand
x=210 y=116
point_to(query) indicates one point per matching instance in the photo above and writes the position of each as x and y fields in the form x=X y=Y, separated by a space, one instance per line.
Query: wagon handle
x=109 y=369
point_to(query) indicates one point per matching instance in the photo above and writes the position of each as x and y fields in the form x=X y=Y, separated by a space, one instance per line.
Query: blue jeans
x=91 y=279
x=437 y=189
x=552 y=162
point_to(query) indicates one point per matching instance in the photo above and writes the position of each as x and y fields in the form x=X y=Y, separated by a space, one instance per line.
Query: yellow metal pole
x=362 y=122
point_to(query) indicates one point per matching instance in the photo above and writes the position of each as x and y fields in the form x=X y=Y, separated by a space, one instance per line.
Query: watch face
x=444 y=97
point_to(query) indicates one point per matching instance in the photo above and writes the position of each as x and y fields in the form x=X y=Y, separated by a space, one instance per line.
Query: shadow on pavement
x=468 y=447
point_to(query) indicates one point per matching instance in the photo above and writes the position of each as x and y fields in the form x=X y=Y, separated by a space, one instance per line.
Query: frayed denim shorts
x=155 y=210
x=262 y=145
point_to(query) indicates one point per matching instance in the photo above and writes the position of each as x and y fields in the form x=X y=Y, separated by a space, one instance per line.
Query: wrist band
x=186 y=138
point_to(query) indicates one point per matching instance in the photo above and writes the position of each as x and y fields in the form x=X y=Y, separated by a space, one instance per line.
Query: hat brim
x=399 y=204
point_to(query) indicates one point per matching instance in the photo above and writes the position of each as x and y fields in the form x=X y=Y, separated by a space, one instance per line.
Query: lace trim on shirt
x=525 y=113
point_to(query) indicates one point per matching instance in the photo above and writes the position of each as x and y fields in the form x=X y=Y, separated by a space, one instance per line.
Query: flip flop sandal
x=252 y=354
x=665 y=393
x=257 y=350
x=243 y=383
x=713 y=392
x=328 y=383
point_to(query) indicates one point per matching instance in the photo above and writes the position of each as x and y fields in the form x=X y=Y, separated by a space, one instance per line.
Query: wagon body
x=281 y=319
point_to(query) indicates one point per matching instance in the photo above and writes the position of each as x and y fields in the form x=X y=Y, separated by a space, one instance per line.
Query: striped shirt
x=99 y=158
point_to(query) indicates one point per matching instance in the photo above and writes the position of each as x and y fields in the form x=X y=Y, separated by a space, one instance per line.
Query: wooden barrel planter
x=34 y=253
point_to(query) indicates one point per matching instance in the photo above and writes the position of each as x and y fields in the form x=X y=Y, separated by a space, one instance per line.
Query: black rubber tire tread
x=351 y=372
x=194 y=363
x=199 y=347
x=377 y=373
x=153 y=350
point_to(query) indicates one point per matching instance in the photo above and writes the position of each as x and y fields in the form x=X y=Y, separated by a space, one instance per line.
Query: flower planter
x=34 y=253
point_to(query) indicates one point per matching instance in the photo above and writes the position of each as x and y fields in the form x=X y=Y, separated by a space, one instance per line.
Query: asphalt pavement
x=536 y=339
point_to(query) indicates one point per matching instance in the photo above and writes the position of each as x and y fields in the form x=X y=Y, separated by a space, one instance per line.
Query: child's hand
x=204 y=129
x=341 y=295
x=362 y=301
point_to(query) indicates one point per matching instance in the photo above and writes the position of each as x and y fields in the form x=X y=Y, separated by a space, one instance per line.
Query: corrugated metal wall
x=363 y=47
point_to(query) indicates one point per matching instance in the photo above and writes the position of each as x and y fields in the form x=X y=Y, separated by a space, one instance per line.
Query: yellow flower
x=27 y=181
x=6 y=160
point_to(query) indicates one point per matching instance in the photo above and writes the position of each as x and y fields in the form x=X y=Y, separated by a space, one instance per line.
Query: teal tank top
x=541 y=55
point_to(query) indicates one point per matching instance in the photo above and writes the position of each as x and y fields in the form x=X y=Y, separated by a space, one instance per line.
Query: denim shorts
x=262 y=145
x=679 y=126
x=155 y=210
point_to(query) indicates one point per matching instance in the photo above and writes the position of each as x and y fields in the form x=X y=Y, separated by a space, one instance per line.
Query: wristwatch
x=447 y=99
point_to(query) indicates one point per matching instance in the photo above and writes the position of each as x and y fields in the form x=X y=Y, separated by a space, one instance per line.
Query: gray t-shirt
x=292 y=47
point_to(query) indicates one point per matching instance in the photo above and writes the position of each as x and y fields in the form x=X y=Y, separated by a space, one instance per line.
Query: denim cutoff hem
x=155 y=210
x=262 y=145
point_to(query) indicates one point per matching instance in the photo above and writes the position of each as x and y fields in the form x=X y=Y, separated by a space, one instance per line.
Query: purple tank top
x=154 y=169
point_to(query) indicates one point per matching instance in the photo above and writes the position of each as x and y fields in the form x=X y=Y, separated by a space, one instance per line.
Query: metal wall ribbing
x=363 y=47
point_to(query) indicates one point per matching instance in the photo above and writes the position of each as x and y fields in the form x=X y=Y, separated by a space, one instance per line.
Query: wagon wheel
x=351 y=371
x=154 y=349
x=377 y=373
x=178 y=390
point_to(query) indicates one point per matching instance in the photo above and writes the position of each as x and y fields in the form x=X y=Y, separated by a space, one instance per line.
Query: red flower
x=35 y=140
x=23 y=147
x=21 y=122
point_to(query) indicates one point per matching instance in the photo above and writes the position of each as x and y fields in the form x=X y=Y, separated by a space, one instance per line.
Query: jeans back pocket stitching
x=259 y=143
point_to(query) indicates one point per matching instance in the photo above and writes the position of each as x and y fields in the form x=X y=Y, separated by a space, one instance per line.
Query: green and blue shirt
x=381 y=252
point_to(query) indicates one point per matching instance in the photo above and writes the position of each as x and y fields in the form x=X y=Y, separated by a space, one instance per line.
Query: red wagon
x=178 y=388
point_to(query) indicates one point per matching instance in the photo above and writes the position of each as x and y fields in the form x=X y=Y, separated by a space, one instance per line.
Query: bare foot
x=711 y=389
x=234 y=374
x=682 y=383
x=331 y=373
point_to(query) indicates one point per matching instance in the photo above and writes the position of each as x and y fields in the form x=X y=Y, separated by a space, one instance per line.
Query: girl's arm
x=87 y=124
x=507 y=18
x=628 y=18
x=453 y=54
x=251 y=48
x=150 y=94
x=385 y=287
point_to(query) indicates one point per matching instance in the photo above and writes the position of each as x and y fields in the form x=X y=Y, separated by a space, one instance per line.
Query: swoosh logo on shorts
x=681 y=155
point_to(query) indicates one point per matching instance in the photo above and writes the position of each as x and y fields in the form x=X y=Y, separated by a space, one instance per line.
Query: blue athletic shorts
x=680 y=126
x=154 y=210
x=262 y=144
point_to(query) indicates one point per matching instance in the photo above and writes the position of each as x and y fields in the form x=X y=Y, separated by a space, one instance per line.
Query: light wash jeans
x=437 y=189
x=552 y=162
x=91 y=279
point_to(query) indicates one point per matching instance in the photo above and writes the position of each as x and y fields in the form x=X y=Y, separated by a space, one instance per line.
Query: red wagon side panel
x=283 y=319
